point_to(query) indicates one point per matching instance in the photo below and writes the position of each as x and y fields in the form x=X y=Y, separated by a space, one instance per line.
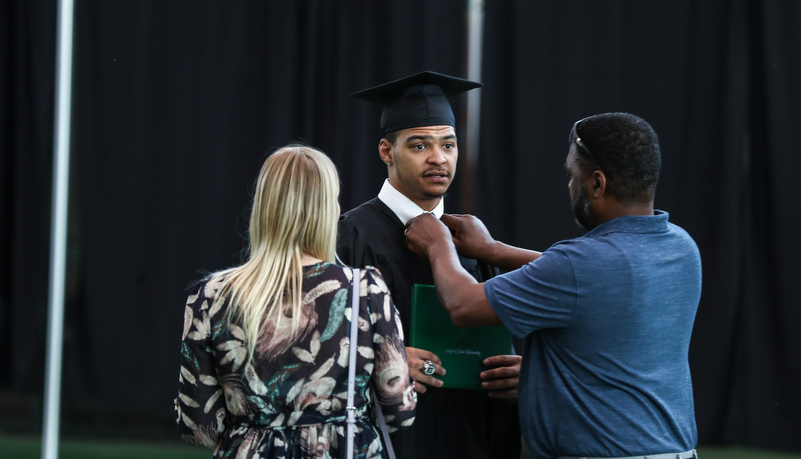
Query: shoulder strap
x=384 y=431
x=354 y=334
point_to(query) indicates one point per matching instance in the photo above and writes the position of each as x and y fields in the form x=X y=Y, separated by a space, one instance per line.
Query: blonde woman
x=265 y=345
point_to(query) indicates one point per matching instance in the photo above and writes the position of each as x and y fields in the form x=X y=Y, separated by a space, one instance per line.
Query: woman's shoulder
x=329 y=270
x=208 y=286
x=374 y=277
x=369 y=271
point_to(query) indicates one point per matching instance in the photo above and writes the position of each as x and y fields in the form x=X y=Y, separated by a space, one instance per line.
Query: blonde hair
x=295 y=212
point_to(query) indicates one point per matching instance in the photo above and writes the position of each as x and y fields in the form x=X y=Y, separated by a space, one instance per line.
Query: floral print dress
x=290 y=400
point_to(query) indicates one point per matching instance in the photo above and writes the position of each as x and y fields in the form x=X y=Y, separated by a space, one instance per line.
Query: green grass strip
x=31 y=448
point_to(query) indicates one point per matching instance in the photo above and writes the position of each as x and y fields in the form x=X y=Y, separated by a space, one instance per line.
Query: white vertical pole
x=474 y=61
x=475 y=39
x=58 y=242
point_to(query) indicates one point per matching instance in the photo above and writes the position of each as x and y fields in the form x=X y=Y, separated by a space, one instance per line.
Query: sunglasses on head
x=574 y=138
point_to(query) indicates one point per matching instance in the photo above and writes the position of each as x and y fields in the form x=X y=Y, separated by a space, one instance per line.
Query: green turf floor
x=30 y=448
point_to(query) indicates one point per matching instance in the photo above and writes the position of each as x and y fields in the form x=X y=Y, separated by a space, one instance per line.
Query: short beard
x=581 y=209
x=434 y=196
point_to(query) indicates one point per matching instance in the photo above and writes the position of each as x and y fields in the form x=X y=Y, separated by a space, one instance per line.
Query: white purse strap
x=354 y=333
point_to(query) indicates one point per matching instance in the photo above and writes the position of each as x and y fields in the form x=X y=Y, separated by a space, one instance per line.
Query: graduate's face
x=422 y=163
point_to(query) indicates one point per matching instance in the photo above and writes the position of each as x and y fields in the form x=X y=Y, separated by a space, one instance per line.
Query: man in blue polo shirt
x=607 y=317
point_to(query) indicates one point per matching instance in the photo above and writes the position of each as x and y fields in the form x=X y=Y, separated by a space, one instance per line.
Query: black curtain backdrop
x=27 y=79
x=718 y=81
x=176 y=104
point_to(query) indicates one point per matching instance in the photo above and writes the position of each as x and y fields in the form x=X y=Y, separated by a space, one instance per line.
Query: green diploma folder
x=462 y=350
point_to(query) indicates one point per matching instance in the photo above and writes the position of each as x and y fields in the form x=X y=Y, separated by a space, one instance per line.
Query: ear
x=598 y=184
x=385 y=151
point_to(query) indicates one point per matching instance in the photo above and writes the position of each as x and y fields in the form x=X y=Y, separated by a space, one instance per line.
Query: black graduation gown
x=449 y=422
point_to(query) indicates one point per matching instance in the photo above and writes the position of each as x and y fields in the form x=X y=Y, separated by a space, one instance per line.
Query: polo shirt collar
x=656 y=223
x=404 y=208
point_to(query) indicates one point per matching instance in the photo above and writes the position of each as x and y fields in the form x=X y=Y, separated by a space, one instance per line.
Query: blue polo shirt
x=607 y=319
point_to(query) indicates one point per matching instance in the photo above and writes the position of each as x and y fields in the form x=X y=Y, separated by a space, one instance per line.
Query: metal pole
x=475 y=39
x=58 y=246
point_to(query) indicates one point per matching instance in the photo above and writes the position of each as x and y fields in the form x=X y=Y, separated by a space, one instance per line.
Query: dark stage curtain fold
x=177 y=103
x=27 y=79
x=765 y=401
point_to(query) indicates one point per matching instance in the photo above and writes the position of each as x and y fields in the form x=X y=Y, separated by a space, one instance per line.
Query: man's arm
x=472 y=240
x=461 y=295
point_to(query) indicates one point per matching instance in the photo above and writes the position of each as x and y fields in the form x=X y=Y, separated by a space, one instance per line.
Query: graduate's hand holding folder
x=462 y=350
x=416 y=359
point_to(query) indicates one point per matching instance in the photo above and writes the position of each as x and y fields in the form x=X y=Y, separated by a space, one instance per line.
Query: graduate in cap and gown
x=419 y=147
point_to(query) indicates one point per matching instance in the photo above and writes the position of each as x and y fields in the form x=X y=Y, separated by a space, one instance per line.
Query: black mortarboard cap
x=417 y=100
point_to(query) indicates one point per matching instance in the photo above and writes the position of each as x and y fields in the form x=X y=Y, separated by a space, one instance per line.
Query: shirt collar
x=404 y=208
x=656 y=223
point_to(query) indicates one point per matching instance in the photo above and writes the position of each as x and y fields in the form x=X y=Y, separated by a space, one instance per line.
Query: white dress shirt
x=404 y=207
